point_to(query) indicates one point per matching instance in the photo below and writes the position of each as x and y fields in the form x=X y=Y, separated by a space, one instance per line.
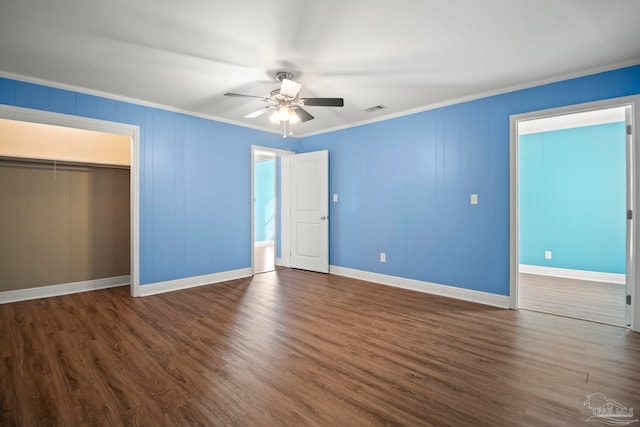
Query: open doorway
x=270 y=217
x=265 y=216
x=574 y=187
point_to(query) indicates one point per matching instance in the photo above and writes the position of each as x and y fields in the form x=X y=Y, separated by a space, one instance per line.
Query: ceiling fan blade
x=290 y=88
x=240 y=95
x=258 y=112
x=323 y=102
x=303 y=115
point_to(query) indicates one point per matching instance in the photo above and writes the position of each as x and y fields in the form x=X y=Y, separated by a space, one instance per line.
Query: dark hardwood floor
x=294 y=348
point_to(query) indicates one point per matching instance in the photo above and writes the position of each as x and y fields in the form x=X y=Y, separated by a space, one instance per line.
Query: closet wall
x=64 y=205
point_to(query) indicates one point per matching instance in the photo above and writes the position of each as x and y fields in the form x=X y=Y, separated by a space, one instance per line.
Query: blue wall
x=195 y=191
x=265 y=203
x=573 y=198
x=404 y=184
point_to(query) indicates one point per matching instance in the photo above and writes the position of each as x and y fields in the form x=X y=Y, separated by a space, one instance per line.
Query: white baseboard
x=264 y=243
x=192 y=282
x=479 y=297
x=63 y=289
x=280 y=262
x=591 y=276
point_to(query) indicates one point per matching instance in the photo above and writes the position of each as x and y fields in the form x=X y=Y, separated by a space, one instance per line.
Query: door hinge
x=628 y=129
x=629 y=214
x=628 y=299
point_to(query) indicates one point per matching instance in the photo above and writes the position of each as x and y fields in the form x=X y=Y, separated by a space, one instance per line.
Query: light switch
x=474 y=199
x=335 y=197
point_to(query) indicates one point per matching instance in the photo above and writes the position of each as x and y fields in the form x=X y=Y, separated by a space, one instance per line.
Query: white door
x=310 y=211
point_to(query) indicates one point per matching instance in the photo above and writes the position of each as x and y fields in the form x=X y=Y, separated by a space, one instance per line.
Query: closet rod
x=61 y=162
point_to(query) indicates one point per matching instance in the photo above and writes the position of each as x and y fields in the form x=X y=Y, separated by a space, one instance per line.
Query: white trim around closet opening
x=57 y=119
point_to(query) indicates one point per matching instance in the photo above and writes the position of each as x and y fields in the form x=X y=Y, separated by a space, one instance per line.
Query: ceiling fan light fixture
x=283 y=113
x=286 y=104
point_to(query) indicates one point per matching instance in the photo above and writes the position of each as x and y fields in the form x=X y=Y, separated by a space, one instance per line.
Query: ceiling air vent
x=374 y=108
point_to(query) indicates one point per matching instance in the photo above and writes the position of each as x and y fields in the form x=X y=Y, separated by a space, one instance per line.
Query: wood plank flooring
x=295 y=348
x=595 y=301
x=265 y=258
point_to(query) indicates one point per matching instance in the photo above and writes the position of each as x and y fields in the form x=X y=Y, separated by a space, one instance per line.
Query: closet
x=64 y=205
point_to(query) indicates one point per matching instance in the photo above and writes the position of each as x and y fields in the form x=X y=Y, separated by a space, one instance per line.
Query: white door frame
x=284 y=211
x=57 y=119
x=633 y=261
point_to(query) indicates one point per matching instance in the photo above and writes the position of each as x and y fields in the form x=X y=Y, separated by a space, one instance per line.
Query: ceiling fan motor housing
x=281 y=75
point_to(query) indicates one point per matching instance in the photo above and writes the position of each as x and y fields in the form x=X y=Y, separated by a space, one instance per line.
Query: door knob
x=323 y=218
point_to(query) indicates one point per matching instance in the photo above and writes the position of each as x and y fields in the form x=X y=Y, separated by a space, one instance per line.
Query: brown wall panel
x=60 y=227
x=80 y=236
x=65 y=225
x=110 y=207
x=10 y=208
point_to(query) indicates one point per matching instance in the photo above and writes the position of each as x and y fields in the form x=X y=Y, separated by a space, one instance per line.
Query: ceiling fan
x=287 y=104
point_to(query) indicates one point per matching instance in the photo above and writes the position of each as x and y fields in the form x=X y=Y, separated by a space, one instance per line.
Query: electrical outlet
x=547 y=254
x=383 y=257
x=474 y=199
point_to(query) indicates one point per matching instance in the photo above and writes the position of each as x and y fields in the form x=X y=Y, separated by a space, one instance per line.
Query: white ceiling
x=407 y=55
